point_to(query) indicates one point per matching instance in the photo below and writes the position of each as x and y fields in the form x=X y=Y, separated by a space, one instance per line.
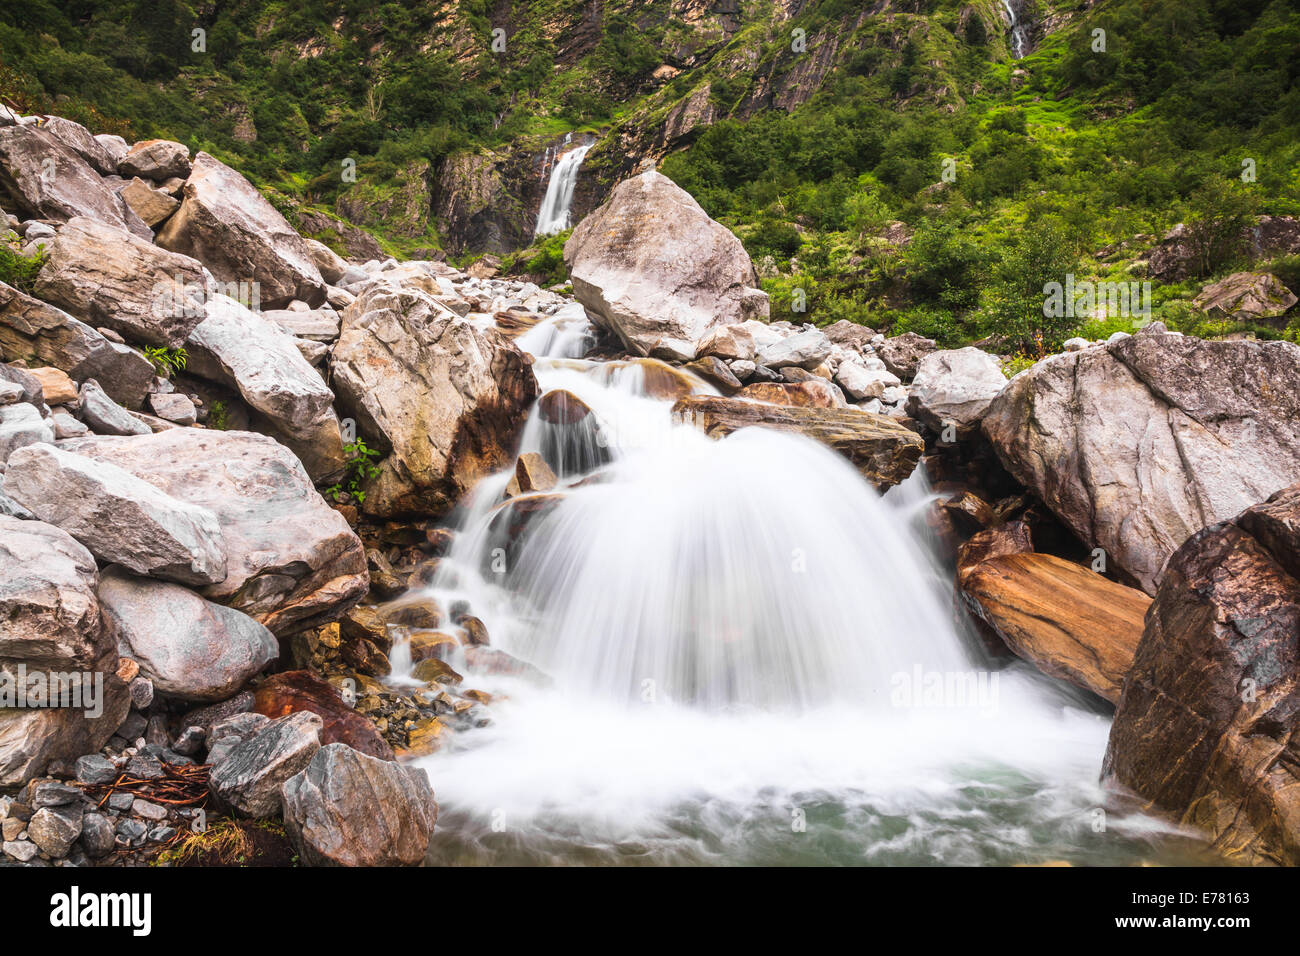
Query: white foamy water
x=553 y=215
x=754 y=660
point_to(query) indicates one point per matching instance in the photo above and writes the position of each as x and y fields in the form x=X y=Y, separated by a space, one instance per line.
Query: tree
x=1217 y=228
x=1016 y=300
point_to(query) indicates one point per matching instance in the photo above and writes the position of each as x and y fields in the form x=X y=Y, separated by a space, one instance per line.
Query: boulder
x=109 y=278
x=815 y=393
x=1138 y=444
x=1068 y=621
x=327 y=262
x=955 y=387
x=532 y=476
x=105 y=416
x=1245 y=297
x=115 y=146
x=321 y=325
x=348 y=809
x=249 y=779
x=293 y=691
x=442 y=398
x=49 y=616
x=225 y=223
x=850 y=335
x=192 y=649
x=242 y=350
x=119 y=517
x=22 y=425
x=806 y=350
x=864 y=379
x=40 y=334
x=45 y=179
x=79 y=139
x=151 y=204
x=173 y=407
x=902 y=354
x=650 y=266
x=292 y=561
x=156 y=159
x=729 y=342
x=1206 y=729
x=884 y=451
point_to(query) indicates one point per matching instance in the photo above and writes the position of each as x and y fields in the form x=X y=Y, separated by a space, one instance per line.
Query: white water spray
x=1019 y=36
x=754 y=661
x=553 y=216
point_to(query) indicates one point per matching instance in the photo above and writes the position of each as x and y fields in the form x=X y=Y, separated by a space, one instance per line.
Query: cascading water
x=753 y=661
x=1019 y=35
x=553 y=216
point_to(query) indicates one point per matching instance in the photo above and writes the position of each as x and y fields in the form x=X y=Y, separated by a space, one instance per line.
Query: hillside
x=807 y=127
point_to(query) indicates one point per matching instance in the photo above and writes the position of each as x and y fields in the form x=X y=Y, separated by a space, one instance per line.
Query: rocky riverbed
x=237 y=470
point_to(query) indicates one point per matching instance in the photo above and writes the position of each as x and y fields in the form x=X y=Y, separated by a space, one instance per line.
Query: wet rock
x=97 y=835
x=189 y=648
x=532 y=474
x=118 y=516
x=811 y=394
x=348 y=809
x=294 y=691
x=1068 y=621
x=292 y=561
x=884 y=451
x=250 y=778
x=1138 y=444
x=650 y=266
x=55 y=829
x=1206 y=727
x=225 y=223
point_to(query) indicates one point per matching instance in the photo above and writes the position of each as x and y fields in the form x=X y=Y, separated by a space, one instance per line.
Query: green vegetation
x=167 y=360
x=361 y=468
x=18 y=270
x=1076 y=158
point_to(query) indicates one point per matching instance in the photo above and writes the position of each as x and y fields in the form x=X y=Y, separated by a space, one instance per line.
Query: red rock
x=293 y=691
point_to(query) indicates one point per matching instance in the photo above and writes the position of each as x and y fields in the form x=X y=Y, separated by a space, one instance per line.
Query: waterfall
x=553 y=216
x=1019 y=37
x=742 y=639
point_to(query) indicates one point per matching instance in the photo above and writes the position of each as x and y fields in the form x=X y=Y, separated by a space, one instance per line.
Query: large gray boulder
x=79 y=139
x=50 y=621
x=1245 y=297
x=1140 y=443
x=46 y=179
x=654 y=269
x=156 y=159
x=248 y=352
x=292 y=561
x=42 y=335
x=226 y=224
x=111 y=279
x=444 y=399
x=190 y=648
x=249 y=778
x=955 y=387
x=349 y=809
x=119 y=517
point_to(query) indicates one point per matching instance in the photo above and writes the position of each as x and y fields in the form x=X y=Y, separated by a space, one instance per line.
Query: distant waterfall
x=1019 y=40
x=553 y=216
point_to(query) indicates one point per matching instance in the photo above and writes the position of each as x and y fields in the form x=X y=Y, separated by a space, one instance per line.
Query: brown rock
x=1206 y=729
x=291 y=691
x=813 y=393
x=1068 y=621
x=532 y=475
x=59 y=389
